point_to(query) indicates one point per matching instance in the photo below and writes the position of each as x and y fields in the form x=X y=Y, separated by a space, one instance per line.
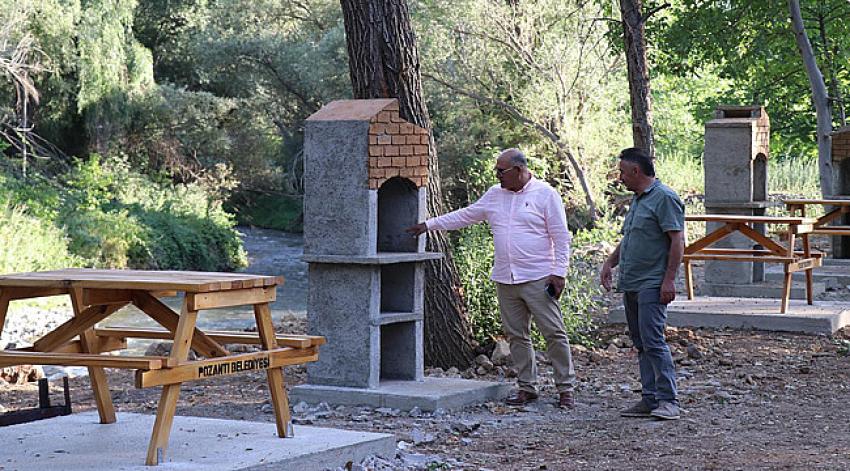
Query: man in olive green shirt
x=649 y=256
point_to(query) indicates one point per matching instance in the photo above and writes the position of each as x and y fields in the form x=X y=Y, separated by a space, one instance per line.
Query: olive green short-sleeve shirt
x=645 y=245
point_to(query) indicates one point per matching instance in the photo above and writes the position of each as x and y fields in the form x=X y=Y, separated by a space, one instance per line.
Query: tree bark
x=634 y=39
x=834 y=88
x=383 y=62
x=820 y=99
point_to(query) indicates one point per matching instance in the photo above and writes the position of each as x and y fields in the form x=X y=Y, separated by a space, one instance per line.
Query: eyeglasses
x=502 y=171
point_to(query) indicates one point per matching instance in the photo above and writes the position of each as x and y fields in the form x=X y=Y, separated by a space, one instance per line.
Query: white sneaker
x=666 y=411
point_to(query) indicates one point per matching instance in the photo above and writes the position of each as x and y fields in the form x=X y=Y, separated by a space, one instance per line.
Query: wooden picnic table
x=839 y=207
x=772 y=251
x=97 y=294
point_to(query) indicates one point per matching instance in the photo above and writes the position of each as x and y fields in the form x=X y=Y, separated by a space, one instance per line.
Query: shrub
x=103 y=239
x=473 y=254
x=187 y=242
x=29 y=244
x=117 y=218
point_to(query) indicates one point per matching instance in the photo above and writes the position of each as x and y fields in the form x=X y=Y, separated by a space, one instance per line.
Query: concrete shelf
x=381 y=258
x=395 y=317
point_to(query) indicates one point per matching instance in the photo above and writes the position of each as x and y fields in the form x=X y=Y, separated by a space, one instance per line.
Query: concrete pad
x=834 y=276
x=823 y=317
x=428 y=395
x=845 y=262
x=760 y=290
x=79 y=442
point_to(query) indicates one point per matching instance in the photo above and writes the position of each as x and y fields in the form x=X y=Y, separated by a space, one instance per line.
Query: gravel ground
x=752 y=400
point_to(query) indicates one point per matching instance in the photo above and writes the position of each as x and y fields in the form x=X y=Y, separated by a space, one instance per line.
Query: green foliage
x=681 y=172
x=797 y=177
x=39 y=196
x=843 y=347
x=103 y=239
x=118 y=218
x=749 y=45
x=681 y=108
x=517 y=71
x=107 y=215
x=272 y=211
x=188 y=242
x=28 y=243
x=271 y=63
x=473 y=254
x=113 y=69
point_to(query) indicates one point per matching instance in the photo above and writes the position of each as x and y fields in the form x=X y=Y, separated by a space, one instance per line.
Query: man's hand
x=417 y=230
x=558 y=283
x=668 y=291
x=607 y=276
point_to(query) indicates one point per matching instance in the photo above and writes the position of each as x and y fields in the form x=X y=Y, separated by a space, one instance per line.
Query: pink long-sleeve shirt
x=529 y=231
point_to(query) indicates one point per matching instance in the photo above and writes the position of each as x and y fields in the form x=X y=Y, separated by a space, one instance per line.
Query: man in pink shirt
x=532 y=253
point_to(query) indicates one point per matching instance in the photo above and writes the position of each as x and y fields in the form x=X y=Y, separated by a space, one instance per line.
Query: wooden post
x=786 y=288
x=807 y=253
x=689 y=280
x=280 y=402
x=4 y=307
x=168 y=402
x=99 y=383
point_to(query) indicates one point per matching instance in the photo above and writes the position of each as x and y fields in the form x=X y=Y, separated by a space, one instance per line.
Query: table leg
x=4 y=307
x=809 y=278
x=168 y=401
x=689 y=280
x=786 y=288
x=97 y=375
x=280 y=401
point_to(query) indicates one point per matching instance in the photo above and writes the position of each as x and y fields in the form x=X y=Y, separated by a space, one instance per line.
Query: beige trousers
x=520 y=303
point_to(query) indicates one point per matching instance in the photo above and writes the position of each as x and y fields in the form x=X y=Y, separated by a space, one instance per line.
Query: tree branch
x=562 y=149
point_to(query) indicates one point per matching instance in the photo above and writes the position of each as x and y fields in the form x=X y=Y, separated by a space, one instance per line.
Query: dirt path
x=752 y=400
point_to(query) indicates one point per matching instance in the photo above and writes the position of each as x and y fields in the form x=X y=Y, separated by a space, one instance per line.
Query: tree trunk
x=638 y=69
x=820 y=99
x=834 y=88
x=384 y=63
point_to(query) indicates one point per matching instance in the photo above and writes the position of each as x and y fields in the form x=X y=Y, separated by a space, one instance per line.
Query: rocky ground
x=751 y=400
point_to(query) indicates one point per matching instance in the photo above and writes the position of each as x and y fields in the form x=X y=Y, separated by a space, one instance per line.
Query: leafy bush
x=272 y=211
x=187 y=242
x=103 y=214
x=103 y=239
x=118 y=218
x=473 y=254
x=27 y=243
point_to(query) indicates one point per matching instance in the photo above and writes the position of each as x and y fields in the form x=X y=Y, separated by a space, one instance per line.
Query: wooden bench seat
x=223 y=337
x=14 y=358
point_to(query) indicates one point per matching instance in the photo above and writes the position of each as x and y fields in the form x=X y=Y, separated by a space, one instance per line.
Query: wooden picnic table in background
x=772 y=251
x=840 y=207
x=97 y=294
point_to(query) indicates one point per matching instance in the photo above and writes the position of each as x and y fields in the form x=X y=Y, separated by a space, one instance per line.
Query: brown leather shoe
x=521 y=398
x=566 y=400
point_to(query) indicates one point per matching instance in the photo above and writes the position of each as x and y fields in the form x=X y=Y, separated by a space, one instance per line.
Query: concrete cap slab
x=353 y=110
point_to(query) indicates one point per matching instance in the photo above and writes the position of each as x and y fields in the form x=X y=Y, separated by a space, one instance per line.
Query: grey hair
x=515 y=157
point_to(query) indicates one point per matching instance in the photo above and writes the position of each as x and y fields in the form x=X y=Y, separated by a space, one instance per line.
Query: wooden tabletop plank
x=137 y=279
x=754 y=219
x=832 y=202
